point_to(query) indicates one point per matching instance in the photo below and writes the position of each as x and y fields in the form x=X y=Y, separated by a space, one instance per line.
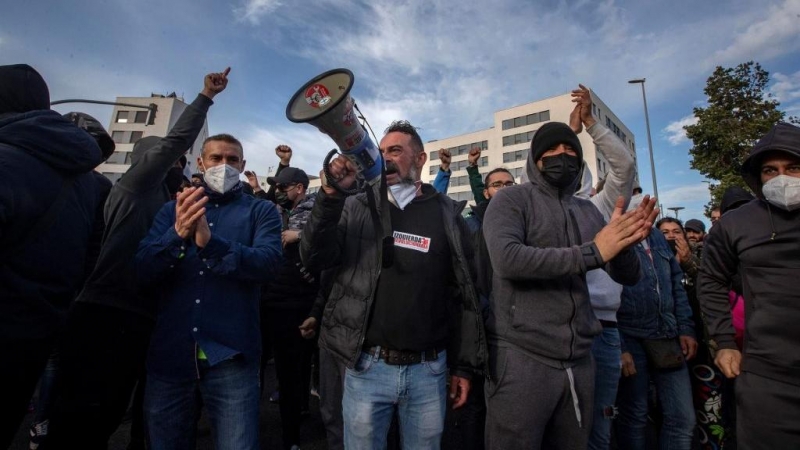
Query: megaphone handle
x=329 y=178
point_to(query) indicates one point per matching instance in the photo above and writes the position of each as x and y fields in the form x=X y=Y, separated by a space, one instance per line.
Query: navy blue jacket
x=209 y=297
x=651 y=310
x=37 y=150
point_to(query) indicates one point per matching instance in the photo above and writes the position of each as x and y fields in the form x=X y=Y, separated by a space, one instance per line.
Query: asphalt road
x=312 y=433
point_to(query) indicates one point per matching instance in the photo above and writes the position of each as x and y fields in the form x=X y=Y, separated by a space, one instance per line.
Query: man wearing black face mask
x=109 y=326
x=542 y=240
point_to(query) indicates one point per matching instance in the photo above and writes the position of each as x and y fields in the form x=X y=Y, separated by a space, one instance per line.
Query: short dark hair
x=405 y=127
x=224 y=138
x=670 y=220
x=494 y=171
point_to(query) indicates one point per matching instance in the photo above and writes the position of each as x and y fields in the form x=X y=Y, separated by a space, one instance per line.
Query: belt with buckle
x=403 y=357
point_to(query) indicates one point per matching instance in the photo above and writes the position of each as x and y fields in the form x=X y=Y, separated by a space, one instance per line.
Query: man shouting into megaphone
x=398 y=330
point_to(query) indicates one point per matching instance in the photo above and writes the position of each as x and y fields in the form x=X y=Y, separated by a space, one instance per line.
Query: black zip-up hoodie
x=130 y=209
x=761 y=242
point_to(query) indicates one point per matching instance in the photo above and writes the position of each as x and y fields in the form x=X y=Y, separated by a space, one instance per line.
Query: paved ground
x=312 y=431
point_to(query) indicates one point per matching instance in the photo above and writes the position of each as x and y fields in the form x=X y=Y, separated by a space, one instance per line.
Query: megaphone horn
x=325 y=102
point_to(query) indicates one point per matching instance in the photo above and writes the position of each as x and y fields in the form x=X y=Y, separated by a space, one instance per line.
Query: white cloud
x=253 y=11
x=434 y=64
x=692 y=197
x=675 y=133
x=772 y=34
x=786 y=89
x=680 y=196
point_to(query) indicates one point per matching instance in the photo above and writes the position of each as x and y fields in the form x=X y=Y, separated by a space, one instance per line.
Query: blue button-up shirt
x=209 y=297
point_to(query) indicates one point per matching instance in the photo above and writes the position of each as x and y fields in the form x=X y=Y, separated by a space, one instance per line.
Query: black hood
x=733 y=198
x=782 y=137
x=22 y=89
x=52 y=139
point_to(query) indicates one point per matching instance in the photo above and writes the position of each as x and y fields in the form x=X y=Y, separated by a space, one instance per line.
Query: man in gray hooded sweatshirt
x=109 y=326
x=542 y=240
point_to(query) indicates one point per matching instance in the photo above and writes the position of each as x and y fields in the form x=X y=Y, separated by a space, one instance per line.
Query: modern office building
x=129 y=124
x=506 y=144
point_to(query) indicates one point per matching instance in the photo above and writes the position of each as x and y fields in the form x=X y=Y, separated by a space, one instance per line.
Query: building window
x=128 y=158
x=122 y=116
x=117 y=136
x=518 y=155
x=434 y=170
x=435 y=155
x=135 y=136
x=140 y=117
x=529 y=119
x=116 y=158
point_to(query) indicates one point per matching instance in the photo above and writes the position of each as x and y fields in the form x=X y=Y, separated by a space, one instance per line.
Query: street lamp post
x=675 y=210
x=649 y=140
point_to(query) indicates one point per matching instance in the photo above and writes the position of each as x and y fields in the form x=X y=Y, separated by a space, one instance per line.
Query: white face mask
x=221 y=178
x=401 y=194
x=783 y=191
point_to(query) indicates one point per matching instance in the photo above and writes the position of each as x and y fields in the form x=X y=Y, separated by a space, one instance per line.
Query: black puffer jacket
x=761 y=242
x=340 y=235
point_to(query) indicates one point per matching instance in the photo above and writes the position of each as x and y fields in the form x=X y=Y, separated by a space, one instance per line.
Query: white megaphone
x=325 y=102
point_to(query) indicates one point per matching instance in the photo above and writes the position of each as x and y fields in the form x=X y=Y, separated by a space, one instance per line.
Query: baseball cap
x=289 y=175
x=695 y=225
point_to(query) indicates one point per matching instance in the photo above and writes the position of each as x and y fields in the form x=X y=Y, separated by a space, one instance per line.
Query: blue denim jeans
x=606 y=352
x=674 y=392
x=230 y=393
x=372 y=390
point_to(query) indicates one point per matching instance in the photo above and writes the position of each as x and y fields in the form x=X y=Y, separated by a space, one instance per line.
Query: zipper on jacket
x=574 y=305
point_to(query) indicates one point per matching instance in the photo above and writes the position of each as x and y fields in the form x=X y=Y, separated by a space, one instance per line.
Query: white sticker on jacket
x=413 y=242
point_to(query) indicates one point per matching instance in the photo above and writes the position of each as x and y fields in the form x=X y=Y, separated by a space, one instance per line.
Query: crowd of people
x=556 y=313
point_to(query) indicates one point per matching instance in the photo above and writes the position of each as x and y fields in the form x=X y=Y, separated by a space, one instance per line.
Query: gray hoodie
x=605 y=294
x=540 y=244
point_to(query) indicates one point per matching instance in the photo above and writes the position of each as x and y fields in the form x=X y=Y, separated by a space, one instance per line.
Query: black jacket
x=340 y=235
x=38 y=150
x=762 y=243
x=132 y=204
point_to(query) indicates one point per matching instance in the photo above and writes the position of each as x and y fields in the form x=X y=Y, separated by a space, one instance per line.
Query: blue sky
x=445 y=65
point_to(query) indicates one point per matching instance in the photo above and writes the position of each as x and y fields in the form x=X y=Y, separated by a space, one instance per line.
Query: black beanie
x=22 y=89
x=550 y=135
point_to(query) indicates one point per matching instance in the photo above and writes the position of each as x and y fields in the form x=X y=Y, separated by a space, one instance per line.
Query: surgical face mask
x=560 y=170
x=783 y=191
x=221 y=178
x=401 y=194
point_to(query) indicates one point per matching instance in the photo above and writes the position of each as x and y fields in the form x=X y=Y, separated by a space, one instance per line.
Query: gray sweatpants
x=531 y=405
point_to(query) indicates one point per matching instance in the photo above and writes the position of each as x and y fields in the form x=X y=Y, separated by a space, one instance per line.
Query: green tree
x=739 y=111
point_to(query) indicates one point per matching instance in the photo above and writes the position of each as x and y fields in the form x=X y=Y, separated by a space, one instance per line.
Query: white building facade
x=129 y=124
x=506 y=144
